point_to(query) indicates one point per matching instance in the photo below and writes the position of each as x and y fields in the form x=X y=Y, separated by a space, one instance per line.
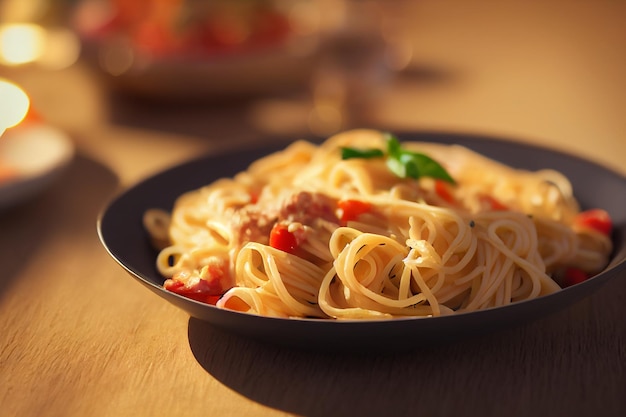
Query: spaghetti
x=304 y=232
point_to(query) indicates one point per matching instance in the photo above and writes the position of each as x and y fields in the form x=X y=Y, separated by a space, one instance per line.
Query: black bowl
x=122 y=234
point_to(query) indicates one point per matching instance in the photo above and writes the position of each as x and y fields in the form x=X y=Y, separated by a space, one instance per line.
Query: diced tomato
x=282 y=239
x=212 y=299
x=206 y=287
x=352 y=209
x=254 y=196
x=200 y=291
x=596 y=219
x=573 y=276
x=492 y=203
x=443 y=190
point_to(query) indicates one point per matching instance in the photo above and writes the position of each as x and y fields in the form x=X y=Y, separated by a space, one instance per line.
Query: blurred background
x=96 y=95
x=195 y=75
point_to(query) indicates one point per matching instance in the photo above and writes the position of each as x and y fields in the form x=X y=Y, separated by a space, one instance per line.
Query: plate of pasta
x=370 y=240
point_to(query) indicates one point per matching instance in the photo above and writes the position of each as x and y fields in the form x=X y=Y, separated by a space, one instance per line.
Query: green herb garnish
x=402 y=162
x=349 y=153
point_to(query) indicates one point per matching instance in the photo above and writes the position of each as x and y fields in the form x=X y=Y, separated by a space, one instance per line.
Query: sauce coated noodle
x=303 y=233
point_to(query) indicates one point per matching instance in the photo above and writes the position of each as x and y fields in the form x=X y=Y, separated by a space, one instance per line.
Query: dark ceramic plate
x=121 y=232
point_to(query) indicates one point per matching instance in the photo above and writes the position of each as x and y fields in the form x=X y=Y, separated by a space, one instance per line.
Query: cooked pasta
x=307 y=232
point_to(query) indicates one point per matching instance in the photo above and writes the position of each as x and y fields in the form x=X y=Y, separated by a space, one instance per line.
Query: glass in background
x=366 y=47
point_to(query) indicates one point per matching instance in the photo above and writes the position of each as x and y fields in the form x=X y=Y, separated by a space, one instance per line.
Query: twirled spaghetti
x=305 y=233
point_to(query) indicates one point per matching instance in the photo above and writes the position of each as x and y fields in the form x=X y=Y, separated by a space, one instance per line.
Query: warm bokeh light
x=23 y=43
x=14 y=104
x=116 y=58
x=23 y=10
x=62 y=49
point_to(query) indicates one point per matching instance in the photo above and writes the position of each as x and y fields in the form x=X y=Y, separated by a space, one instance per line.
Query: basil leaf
x=402 y=162
x=349 y=153
x=425 y=166
x=397 y=167
x=411 y=167
x=415 y=164
x=394 y=148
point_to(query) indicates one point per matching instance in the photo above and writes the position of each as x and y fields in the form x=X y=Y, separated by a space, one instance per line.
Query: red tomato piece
x=352 y=209
x=254 y=196
x=493 y=203
x=282 y=239
x=212 y=299
x=206 y=287
x=199 y=291
x=443 y=190
x=596 y=219
x=574 y=276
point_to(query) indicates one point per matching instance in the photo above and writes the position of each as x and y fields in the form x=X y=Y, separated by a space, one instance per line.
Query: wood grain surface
x=79 y=337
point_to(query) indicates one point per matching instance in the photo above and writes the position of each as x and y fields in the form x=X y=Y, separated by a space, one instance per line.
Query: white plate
x=38 y=153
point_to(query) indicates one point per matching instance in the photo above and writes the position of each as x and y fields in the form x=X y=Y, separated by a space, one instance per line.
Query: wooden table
x=78 y=337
